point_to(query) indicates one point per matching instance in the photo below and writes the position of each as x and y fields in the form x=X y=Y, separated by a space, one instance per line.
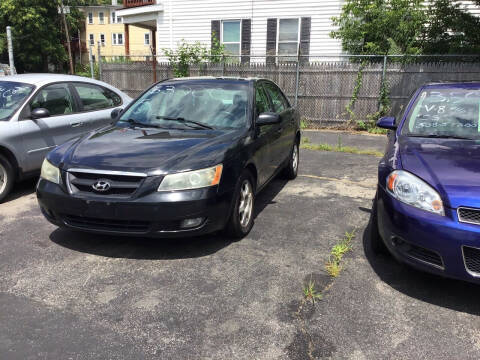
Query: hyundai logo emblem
x=101 y=185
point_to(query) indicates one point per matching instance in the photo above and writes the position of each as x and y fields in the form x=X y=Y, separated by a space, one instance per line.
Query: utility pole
x=10 y=51
x=99 y=60
x=90 y=55
x=64 y=18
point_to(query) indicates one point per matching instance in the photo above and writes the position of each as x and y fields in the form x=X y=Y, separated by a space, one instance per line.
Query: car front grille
x=425 y=255
x=121 y=184
x=468 y=215
x=471 y=257
x=131 y=226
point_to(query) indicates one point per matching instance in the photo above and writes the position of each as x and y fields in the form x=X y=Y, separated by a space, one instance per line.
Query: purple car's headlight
x=413 y=191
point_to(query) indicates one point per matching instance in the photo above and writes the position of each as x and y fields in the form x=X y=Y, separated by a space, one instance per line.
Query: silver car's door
x=96 y=104
x=39 y=136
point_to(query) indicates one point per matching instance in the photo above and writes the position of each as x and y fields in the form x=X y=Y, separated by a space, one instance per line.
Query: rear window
x=445 y=112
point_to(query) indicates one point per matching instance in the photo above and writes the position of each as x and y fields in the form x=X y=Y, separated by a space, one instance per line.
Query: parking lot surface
x=67 y=295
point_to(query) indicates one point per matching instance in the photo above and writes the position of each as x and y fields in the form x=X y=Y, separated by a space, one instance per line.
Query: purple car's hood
x=451 y=166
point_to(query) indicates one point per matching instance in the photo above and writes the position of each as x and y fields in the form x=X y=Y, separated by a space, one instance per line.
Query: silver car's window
x=220 y=105
x=12 y=96
x=55 y=98
x=445 y=112
x=95 y=97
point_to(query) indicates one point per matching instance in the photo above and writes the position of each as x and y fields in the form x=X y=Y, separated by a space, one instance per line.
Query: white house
x=246 y=27
x=252 y=28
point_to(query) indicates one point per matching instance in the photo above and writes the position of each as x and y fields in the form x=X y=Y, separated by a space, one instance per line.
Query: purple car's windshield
x=452 y=112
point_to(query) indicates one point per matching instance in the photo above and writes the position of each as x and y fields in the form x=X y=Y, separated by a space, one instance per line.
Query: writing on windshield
x=446 y=112
x=12 y=95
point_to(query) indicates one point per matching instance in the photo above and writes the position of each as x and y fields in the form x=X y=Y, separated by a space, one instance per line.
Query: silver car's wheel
x=3 y=179
x=246 y=203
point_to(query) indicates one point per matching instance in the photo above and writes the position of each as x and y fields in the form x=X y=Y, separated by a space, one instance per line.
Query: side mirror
x=116 y=113
x=39 y=113
x=387 y=123
x=268 y=118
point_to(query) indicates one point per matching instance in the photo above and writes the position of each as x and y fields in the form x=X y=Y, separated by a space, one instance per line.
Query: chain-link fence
x=329 y=91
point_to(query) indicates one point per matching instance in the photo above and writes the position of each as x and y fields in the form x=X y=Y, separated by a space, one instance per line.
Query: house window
x=147 y=39
x=101 y=18
x=102 y=39
x=117 y=39
x=92 y=39
x=230 y=36
x=288 y=38
x=113 y=17
x=90 y=18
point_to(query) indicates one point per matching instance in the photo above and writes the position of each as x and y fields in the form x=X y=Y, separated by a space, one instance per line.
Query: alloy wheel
x=3 y=178
x=295 y=158
x=246 y=203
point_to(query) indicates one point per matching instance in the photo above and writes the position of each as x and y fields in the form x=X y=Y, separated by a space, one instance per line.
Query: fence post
x=297 y=80
x=99 y=61
x=90 y=55
x=382 y=84
x=223 y=65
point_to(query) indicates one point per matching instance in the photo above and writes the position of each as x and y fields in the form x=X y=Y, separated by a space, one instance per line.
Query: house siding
x=192 y=21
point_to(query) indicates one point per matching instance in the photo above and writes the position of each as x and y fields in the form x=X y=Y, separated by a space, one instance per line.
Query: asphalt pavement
x=67 y=295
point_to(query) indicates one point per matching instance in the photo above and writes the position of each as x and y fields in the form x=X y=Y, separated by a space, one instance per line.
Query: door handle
x=77 y=124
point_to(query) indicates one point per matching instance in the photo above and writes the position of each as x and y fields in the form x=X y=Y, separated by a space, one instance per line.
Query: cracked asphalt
x=67 y=295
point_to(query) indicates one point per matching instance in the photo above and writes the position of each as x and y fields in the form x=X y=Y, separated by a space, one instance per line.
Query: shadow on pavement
x=448 y=293
x=25 y=187
x=156 y=249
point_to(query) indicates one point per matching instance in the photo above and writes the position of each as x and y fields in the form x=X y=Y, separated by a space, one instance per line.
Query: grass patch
x=306 y=144
x=377 y=130
x=310 y=292
x=334 y=263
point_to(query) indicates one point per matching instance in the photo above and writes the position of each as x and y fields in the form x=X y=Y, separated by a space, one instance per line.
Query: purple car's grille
x=469 y=215
x=471 y=257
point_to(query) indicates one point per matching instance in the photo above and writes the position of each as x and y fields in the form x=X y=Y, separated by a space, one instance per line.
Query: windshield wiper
x=436 y=136
x=134 y=123
x=185 y=121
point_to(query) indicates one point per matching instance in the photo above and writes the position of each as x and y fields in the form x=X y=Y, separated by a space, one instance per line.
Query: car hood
x=146 y=150
x=451 y=166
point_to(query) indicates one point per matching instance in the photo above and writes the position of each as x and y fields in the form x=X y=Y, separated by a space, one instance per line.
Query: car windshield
x=445 y=113
x=192 y=105
x=12 y=96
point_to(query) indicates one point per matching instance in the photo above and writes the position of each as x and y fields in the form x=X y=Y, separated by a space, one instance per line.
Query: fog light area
x=191 y=223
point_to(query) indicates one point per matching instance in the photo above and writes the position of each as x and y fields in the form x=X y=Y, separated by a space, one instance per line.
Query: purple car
x=427 y=208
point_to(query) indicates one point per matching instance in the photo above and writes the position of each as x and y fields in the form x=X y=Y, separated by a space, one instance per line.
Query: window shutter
x=271 y=40
x=246 y=39
x=215 y=33
x=305 y=27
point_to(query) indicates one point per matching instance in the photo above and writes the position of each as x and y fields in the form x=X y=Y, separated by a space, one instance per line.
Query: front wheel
x=241 y=218
x=291 y=170
x=6 y=178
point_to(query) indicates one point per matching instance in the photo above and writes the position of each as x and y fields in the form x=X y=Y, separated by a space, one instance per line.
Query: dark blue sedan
x=427 y=207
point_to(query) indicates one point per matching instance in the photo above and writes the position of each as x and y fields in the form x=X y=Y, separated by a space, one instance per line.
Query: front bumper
x=428 y=241
x=158 y=214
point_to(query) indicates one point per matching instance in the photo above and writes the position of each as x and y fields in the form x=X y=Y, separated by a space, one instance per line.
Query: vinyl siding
x=192 y=21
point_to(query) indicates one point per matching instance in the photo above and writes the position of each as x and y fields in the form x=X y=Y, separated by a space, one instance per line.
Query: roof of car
x=216 y=78
x=452 y=82
x=41 y=79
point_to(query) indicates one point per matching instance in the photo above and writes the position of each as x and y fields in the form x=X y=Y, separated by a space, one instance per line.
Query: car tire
x=241 y=218
x=376 y=242
x=291 y=169
x=7 y=178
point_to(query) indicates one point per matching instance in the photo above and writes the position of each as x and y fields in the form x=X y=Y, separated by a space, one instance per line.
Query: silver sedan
x=41 y=111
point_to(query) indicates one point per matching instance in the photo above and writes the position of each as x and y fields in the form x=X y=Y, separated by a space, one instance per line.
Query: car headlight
x=192 y=179
x=411 y=190
x=50 y=172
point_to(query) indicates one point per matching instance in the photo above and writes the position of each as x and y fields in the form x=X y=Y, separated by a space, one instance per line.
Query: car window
x=279 y=102
x=94 y=97
x=261 y=100
x=445 y=112
x=12 y=95
x=56 y=98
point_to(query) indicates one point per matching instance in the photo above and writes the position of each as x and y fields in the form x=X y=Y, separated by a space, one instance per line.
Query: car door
x=96 y=104
x=39 y=136
x=285 y=130
x=265 y=136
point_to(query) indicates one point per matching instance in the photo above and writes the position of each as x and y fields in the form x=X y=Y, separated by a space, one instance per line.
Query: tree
x=451 y=29
x=380 y=26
